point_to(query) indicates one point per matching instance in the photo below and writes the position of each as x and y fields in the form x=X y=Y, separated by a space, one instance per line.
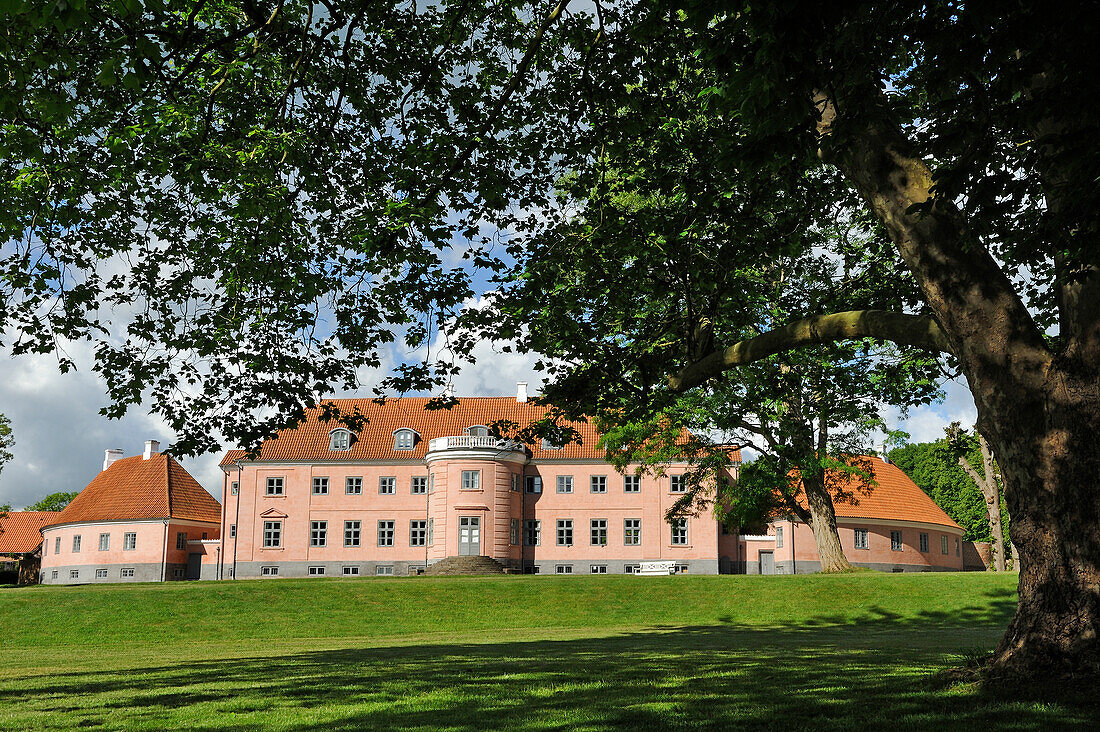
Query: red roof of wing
x=894 y=497
x=135 y=488
x=20 y=531
x=310 y=440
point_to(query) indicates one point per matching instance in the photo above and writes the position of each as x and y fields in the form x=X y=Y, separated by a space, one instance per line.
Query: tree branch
x=909 y=330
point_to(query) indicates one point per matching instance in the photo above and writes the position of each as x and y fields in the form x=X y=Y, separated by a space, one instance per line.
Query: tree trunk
x=823 y=523
x=991 y=492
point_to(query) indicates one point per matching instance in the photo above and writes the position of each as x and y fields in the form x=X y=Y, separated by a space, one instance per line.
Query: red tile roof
x=895 y=497
x=20 y=531
x=135 y=488
x=310 y=440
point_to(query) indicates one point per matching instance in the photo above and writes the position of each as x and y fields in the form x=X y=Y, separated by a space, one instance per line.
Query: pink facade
x=466 y=496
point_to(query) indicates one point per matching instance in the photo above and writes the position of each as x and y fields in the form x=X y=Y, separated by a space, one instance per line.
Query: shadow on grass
x=872 y=674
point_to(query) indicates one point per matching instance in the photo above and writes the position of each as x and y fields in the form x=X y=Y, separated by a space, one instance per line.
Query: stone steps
x=465 y=565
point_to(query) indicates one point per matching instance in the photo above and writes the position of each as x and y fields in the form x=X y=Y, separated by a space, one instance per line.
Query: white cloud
x=926 y=424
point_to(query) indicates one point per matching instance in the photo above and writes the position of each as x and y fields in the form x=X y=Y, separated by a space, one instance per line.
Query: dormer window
x=339 y=440
x=477 y=430
x=404 y=439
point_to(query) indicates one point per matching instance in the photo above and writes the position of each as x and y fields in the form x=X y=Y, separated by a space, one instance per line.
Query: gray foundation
x=617 y=566
x=142 y=573
x=253 y=570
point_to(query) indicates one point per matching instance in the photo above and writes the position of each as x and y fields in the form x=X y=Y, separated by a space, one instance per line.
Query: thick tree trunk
x=823 y=523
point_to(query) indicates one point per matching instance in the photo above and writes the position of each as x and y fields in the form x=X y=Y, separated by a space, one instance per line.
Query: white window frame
x=74 y=574
x=679 y=533
x=632 y=534
x=387 y=485
x=513 y=532
x=104 y=542
x=181 y=540
x=597 y=569
x=318 y=533
x=471 y=480
x=631 y=568
x=943 y=544
x=275 y=486
x=597 y=484
x=599 y=531
x=404 y=439
x=53 y=574
x=316 y=571
x=532 y=532
x=564 y=534
x=897 y=542
x=677 y=484
x=101 y=573
x=339 y=440
x=418 y=485
x=861 y=539
x=353 y=485
x=353 y=533
x=349 y=571
x=477 y=430
x=548 y=445
x=273 y=535
x=234 y=488
x=126 y=572
x=515 y=482
x=563 y=569
x=232 y=531
x=320 y=485
x=532 y=483
x=270 y=570
x=778 y=537
x=564 y=484
x=76 y=544
x=383 y=570
x=57 y=545
x=129 y=541
x=632 y=484
x=923 y=542
x=431 y=532
x=418 y=532
x=680 y=568
x=387 y=532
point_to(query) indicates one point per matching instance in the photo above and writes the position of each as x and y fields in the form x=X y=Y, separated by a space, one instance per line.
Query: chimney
x=109 y=456
x=521 y=392
x=151 y=447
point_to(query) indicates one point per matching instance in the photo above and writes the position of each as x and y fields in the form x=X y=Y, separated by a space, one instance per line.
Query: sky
x=60 y=436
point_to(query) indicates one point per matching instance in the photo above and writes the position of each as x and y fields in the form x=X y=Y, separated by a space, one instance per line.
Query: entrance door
x=767 y=562
x=469 y=536
x=194 y=566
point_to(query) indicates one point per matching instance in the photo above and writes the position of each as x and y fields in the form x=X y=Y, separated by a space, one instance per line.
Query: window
x=404 y=439
x=632 y=484
x=513 y=532
x=680 y=532
x=385 y=533
x=565 y=569
x=104 y=542
x=778 y=537
x=76 y=543
x=943 y=544
x=599 y=569
x=232 y=531
x=680 y=568
x=53 y=574
x=419 y=485
x=895 y=540
x=320 y=485
x=860 y=541
x=273 y=534
x=532 y=532
x=339 y=440
x=471 y=480
x=631 y=568
x=351 y=571
x=387 y=486
x=353 y=486
x=418 y=533
x=269 y=571
x=74 y=574
x=676 y=484
x=632 y=532
x=101 y=574
x=181 y=539
x=57 y=545
x=599 y=483
x=234 y=488
x=599 y=532
x=318 y=533
x=204 y=536
x=129 y=541
x=275 y=486
x=384 y=570
x=431 y=482
x=924 y=542
x=316 y=571
x=533 y=484
x=565 y=532
x=177 y=573
x=565 y=484
x=124 y=572
x=477 y=430
x=957 y=551
x=431 y=532
x=352 y=533
x=549 y=445
x=515 y=481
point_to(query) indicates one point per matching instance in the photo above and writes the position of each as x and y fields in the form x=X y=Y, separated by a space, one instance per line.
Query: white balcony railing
x=468 y=442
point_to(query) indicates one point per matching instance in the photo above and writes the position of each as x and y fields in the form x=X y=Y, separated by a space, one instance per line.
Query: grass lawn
x=843 y=652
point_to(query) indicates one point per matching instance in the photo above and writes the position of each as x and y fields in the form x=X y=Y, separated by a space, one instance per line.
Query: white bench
x=651 y=569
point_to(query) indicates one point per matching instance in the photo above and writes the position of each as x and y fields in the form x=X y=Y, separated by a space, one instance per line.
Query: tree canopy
x=53 y=502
